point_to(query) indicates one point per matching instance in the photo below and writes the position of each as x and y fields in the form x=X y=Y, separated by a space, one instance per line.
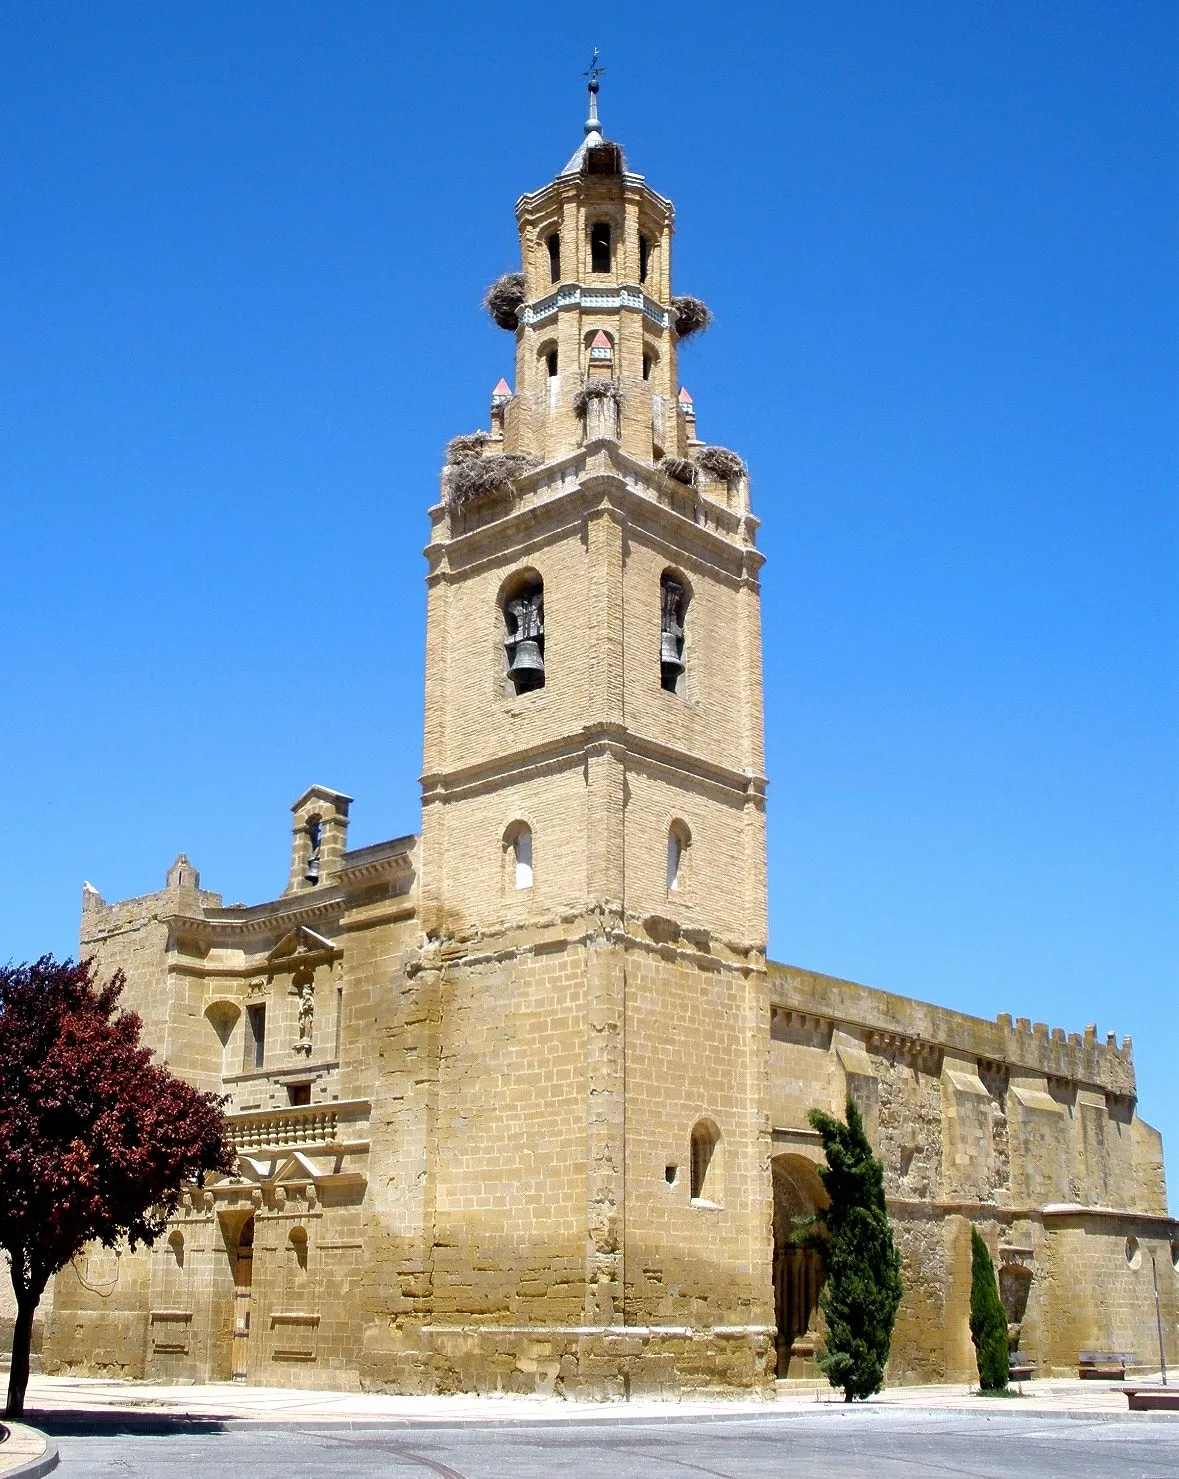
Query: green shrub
x=863 y=1288
x=988 y=1320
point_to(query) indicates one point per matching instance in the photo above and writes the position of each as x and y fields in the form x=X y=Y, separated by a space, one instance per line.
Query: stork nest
x=682 y=469
x=597 y=390
x=689 y=316
x=504 y=298
x=466 y=448
x=721 y=463
x=481 y=476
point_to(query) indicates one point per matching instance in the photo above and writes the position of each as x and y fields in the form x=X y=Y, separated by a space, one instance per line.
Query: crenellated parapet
x=890 y=1021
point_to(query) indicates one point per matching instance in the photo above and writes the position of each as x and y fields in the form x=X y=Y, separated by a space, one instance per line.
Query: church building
x=520 y=1104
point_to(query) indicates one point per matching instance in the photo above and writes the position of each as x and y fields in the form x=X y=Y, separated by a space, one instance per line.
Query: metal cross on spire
x=591 y=123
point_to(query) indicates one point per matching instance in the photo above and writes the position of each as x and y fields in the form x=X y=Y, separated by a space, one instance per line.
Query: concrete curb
x=33 y=1466
x=140 y=1421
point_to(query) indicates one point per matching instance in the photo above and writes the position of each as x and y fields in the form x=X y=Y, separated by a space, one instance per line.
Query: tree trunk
x=22 y=1339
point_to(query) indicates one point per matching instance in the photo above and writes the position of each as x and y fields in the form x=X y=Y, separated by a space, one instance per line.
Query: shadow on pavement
x=59 y=1423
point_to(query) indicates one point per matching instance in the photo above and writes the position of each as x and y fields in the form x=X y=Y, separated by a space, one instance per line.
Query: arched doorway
x=239 y=1244
x=798 y=1269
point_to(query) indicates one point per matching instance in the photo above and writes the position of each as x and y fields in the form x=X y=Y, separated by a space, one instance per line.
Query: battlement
x=887 y=1019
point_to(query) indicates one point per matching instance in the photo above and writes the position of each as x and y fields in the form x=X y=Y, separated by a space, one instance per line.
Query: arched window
x=523 y=611
x=644 y=257
x=673 y=607
x=554 y=245
x=600 y=246
x=222 y=1017
x=297 y=1241
x=703 y=1160
x=678 y=839
x=518 y=848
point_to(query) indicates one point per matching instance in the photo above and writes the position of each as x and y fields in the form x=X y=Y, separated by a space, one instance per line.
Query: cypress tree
x=988 y=1320
x=863 y=1289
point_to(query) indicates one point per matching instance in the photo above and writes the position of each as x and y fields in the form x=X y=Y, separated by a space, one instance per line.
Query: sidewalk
x=25 y=1453
x=58 y=1396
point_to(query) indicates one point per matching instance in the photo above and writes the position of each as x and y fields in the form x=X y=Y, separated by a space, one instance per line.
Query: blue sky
x=242 y=253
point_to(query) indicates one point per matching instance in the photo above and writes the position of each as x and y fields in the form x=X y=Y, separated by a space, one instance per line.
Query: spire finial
x=592 y=126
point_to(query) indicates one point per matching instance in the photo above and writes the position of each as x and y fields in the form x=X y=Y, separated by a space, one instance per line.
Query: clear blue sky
x=242 y=249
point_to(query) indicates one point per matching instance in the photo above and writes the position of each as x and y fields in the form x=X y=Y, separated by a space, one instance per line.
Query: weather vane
x=594 y=71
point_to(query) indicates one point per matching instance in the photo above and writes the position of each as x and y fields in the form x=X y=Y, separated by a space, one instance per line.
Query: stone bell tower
x=593 y=875
x=593 y=679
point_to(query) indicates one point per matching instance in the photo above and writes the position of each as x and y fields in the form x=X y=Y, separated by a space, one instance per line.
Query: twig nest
x=721 y=463
x=466 y=448
x=682 y=469
x=599 y=389
x=689 y=316
x=504 y=298
x=480 y=476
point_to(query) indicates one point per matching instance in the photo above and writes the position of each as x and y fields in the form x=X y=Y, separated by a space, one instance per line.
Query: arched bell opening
x=799 y=1201
x=522 y=610
x=674 y=596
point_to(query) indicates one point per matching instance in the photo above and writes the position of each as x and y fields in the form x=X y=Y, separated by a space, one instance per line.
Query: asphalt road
x=833 y=1444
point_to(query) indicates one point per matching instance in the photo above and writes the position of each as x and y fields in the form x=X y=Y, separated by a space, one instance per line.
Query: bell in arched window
x=671 y=636
x=525 y=643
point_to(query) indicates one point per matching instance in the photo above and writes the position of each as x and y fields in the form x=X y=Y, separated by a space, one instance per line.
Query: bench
x=1104 y=1365
x=1153 y=1399
x=1019 y=1368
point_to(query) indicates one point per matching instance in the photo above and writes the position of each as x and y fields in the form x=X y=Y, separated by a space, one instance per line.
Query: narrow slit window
x=339 y=1018
x=554 y=246
x=644 y=257
x=256 y=1036
x=550 y=360
x=646 y=367
x=600 y=246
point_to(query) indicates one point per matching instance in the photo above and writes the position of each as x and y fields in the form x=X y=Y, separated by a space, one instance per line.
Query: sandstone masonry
x=520 y=1104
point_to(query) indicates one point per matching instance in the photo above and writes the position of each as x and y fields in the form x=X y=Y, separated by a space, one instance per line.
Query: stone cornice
x=1049 y=1213
x=588 y=299
x=391 y=862
x=568 y=488
x=669 y=941
x=572 y=749
x=565 y=187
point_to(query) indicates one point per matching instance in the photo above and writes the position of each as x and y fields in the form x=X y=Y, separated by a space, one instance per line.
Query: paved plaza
x=1056 y=1430
x=865 y=1441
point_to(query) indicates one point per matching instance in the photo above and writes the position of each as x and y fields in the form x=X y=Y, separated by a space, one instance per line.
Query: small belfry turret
x=597 y=328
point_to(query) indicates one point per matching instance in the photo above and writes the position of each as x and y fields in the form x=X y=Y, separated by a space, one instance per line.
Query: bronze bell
x=669 y=654
x=526 y=668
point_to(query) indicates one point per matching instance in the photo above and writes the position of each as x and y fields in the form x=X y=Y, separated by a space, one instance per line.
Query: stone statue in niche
x=304 y=988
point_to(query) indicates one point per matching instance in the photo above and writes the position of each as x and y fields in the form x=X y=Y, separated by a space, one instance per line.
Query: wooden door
x=243 y=1278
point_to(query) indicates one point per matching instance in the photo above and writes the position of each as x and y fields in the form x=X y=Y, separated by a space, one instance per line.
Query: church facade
x=520 y=1103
